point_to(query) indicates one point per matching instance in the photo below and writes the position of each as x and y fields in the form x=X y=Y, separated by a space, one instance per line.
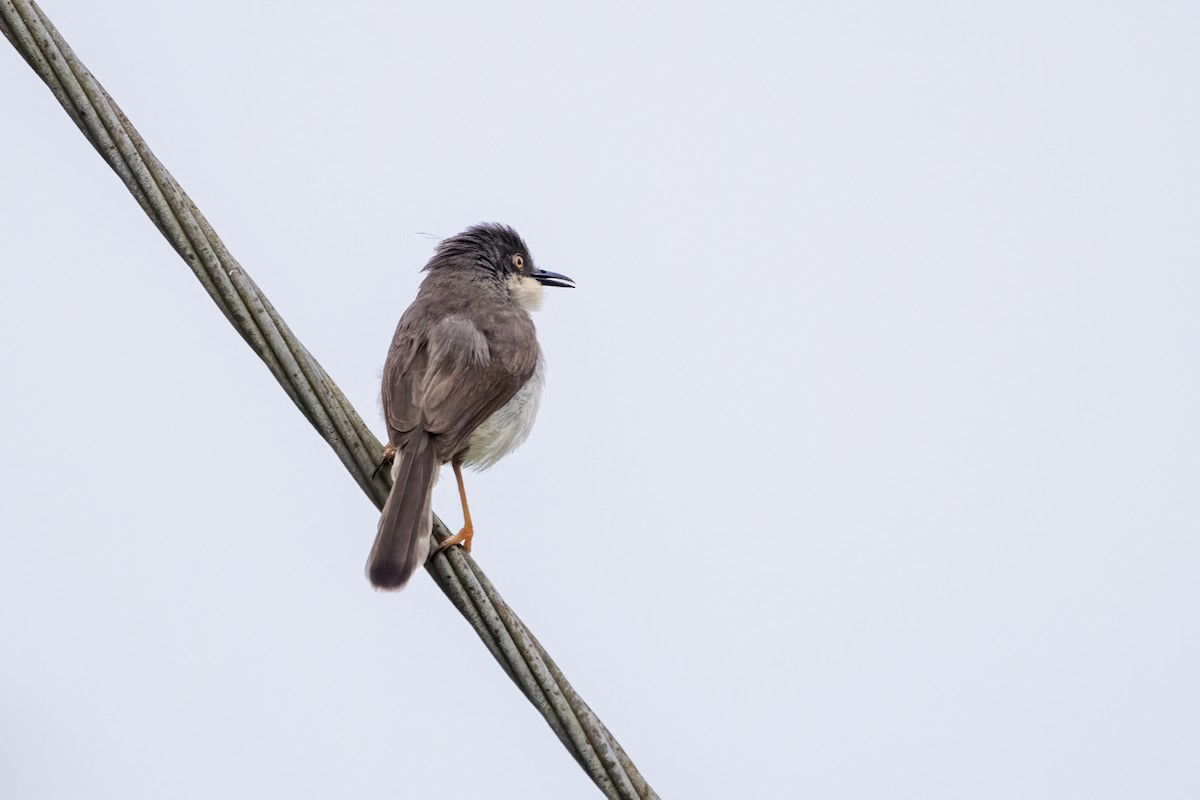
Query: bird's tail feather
x=406 y=524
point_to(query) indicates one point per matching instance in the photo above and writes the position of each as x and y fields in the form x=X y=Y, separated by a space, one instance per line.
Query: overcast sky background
x=868 y=464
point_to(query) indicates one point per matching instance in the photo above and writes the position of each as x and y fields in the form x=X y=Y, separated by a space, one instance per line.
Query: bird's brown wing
x=450 y=380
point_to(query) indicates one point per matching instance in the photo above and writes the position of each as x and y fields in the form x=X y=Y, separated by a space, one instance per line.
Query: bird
x=461 y=385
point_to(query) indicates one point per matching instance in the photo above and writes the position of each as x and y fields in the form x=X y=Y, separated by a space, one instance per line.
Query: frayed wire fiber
x=312 y=390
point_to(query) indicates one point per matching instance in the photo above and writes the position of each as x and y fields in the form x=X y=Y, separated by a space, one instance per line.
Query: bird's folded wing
x=449 y=381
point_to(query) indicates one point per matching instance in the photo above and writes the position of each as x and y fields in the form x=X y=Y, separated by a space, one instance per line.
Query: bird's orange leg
x=464 y=536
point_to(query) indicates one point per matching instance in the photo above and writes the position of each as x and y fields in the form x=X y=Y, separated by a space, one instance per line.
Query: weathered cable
x=312 y=390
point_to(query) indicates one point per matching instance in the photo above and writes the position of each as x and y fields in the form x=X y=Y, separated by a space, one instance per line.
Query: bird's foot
x=388 y=456
x=463 y=537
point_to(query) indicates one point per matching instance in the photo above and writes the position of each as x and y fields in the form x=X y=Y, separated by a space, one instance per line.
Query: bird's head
x=502 y=254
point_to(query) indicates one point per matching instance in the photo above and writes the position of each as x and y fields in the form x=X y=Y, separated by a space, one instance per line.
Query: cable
x=308 y=385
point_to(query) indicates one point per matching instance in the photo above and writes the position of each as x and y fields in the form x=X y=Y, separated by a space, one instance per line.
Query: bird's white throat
x=527 y=291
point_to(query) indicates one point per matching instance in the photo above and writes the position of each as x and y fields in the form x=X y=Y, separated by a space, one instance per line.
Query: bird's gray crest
x=489 y=245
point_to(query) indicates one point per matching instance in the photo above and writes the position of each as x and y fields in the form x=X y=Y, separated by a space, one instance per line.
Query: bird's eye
x=518 y=261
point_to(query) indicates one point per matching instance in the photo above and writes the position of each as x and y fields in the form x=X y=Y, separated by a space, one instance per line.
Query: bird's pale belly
x=505 y=430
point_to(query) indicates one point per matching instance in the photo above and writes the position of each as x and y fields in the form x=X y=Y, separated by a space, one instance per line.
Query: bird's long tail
x=406 y=525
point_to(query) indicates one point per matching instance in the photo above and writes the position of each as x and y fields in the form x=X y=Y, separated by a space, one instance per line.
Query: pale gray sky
x=870 y=451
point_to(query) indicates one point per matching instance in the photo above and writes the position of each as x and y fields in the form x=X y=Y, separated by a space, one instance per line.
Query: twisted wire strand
x=513 y=646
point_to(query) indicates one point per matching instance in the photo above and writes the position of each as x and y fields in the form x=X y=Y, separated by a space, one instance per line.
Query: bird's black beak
x=548 y=278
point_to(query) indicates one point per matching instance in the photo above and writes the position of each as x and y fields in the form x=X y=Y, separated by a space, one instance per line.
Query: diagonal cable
x=308 y=385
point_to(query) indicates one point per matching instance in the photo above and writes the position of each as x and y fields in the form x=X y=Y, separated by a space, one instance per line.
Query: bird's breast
x=505 y=430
